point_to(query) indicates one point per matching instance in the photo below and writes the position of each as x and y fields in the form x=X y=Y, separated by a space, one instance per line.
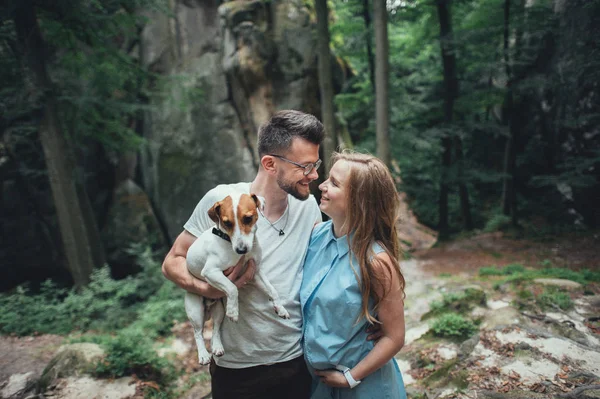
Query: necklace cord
x=287 y=216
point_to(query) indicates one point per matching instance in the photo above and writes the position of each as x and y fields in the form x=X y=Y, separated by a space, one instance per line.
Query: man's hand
x=240 y=275
x=375 y=332
x=333 y=378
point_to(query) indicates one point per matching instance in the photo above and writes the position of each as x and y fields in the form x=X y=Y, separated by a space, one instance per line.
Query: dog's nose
x=241 y=250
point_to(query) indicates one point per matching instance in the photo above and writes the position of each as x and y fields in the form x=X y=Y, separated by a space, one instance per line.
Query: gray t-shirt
x=261 y=337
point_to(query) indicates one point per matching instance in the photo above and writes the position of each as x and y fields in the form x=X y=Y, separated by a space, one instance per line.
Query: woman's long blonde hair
x=371 y=216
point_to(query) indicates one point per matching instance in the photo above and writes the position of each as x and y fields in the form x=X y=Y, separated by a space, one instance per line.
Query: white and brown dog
x=216 y=250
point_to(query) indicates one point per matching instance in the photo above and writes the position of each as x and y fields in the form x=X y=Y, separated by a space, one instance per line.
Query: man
x=263 y=354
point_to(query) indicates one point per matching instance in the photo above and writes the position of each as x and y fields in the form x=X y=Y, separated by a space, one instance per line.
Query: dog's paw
x=233 y=318
x=281 y=312
x=204 y=358
x=218 y=351
x=232 y=315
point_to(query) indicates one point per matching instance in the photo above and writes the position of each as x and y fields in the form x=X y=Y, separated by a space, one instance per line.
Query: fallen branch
x=574 y=394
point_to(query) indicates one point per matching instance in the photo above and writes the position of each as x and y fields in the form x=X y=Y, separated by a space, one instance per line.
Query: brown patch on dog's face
x=247 y=212
x=222 y=214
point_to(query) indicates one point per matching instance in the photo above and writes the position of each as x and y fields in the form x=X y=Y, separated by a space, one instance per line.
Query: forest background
x=487 y=112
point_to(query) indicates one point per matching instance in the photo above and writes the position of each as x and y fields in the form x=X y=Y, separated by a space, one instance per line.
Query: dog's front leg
x=265 y=286
x=215 y=277
x=194 y=307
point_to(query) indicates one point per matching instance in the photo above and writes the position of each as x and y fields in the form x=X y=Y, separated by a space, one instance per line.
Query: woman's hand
x=333 y=378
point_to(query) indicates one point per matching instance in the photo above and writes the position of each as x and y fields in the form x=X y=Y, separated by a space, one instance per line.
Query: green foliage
x=132 y=352
x=552 y=297
x=497 y=222
x=557 y=160
x=508 y=270
x=452 y=325
x=456 y=302
x=516 y=273
x=146 y=299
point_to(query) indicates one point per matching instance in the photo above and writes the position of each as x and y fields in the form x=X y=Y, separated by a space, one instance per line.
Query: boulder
x=501 y=317
x=235 y=63
x=86 y=387
x=558 y=282
x=18 y=385
x=131 y=221
x=70 y=360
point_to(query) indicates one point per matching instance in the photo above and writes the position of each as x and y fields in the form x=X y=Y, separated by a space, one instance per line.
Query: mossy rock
x=462 y=302
x=71 y=360
x=443 y=378
x=569 y=332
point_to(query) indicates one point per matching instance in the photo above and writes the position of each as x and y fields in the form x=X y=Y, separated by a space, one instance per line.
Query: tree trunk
x=325 y=82
x=367 y=18
x=59 y=161
x=443 y=200
x=463 y=192
x=509 y=197
x=382 y=101
x=450 y=92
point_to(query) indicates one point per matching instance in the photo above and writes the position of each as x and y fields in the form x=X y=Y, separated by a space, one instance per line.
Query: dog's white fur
x=207 y=258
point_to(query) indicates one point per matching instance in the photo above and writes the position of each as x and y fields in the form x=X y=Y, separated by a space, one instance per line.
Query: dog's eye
x=247 y=219
x=228 y=224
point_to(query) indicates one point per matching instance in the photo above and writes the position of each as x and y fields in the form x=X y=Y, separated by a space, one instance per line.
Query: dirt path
x=469 y=254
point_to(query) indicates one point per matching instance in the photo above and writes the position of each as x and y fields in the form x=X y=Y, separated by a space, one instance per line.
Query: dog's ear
x=259 y=201
x=215 y=212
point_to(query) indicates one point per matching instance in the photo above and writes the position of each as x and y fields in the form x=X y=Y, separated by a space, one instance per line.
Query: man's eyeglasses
x=307 y=168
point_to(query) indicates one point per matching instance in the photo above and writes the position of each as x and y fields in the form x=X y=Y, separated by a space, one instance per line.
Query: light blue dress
x=331 y=304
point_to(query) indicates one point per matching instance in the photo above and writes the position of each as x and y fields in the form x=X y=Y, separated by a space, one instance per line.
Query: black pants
x=287 y=380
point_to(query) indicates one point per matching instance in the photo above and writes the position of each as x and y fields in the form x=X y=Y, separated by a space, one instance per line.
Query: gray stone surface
x=558 y=282
x=234 y=65
x=17 y=385
x=86 y=388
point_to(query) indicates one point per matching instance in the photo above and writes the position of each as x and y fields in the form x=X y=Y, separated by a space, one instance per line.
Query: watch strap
x=346 y=371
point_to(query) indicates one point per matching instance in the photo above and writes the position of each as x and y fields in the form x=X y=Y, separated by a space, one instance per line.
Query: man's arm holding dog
x=175 y=269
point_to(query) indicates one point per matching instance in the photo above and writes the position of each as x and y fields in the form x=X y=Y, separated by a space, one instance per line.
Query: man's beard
x=290 y=188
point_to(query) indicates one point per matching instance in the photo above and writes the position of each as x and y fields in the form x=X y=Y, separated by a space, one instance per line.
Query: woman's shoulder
x=320 y=231
x=377 y=248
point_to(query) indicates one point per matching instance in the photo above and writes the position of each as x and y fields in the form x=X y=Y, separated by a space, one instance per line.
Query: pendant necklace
x=287 y=216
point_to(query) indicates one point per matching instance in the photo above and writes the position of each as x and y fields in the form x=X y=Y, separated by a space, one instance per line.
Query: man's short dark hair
x=275 y=136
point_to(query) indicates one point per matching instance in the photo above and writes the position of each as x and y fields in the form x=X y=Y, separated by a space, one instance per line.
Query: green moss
x=552 y=297
x=453 y=325
x=440 y=377
x=456 y=302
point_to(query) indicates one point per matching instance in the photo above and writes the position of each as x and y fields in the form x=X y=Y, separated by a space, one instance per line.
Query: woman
x=351 y=280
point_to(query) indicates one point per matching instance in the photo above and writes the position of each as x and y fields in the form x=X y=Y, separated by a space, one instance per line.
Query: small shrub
x=452 y=325
x=497 y=222
x=132 y=352
x=513 y=269
x=552 y=297
x=490 y=271
x=524 y=294
x=458 y=302
x=508 y=270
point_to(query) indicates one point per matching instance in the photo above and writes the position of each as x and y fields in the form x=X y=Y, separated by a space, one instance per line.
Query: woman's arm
x=391 y=316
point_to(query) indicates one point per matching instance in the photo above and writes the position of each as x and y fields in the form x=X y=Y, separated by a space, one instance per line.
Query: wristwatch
x=346 y=371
